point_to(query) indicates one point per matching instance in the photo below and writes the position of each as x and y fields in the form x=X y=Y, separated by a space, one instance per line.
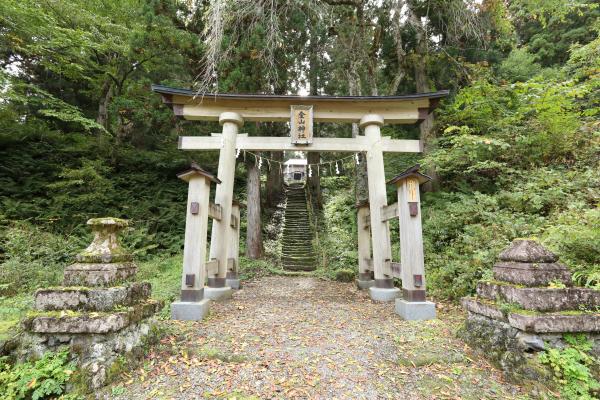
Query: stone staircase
x=297 y=251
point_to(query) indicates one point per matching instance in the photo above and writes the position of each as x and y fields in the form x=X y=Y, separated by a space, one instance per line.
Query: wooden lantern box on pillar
x=412 y=305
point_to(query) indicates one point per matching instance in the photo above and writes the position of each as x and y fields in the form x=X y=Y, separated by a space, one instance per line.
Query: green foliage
x=519 y=66
x=12 y=309
x=34 y=257
x=42 y=379
x=337 y=239
x=345 y=275
x=516 y=161
x=573 y=368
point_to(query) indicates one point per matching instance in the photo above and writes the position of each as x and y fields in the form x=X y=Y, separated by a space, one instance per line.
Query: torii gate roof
x=405 y=109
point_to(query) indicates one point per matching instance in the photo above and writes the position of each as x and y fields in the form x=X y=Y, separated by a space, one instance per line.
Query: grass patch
x=12 y=309
x=164 y=274
x=424 y=358
x=210 y=353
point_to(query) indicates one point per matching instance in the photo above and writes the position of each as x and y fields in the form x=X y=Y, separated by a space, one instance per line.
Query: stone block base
x=536 y=322
x=68 y=322
x=513 y=350
x=384 y=294
x=415 y=310
x=540 y=298
x=190 y=311
x=217 y=294
x=98 y=274
x=93 y=353
x=91 y=299
x=233 y=283
x=362 y=285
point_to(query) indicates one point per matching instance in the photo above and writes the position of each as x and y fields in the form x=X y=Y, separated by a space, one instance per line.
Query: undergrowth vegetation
x=575 y=370
x=41 y=379
x=516 y=160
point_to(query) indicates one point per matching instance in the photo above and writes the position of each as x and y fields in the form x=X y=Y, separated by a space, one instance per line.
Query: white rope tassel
x=357 y=159
x=337 y=168
x=237 y=154
x=309 y=171
x=259 y=162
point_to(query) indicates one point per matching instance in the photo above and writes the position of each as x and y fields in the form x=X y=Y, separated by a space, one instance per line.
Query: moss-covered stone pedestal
x=100 y=314
x=528 y=307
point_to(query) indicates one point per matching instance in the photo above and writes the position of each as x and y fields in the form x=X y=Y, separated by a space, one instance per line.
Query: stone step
x=298 y=235
x=299 y=267
x=304 y=261
x=297 y=254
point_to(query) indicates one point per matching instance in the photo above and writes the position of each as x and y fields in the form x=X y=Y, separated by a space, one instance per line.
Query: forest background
x=514 y=150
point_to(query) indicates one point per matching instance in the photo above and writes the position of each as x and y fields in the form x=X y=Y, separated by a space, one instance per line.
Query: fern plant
x=572 y=368
x=39 y=380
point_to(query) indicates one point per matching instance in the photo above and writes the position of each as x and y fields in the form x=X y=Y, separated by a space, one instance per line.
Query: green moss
x=211 y=353
x=345 y=275
x=503 y=283
x=108 y=221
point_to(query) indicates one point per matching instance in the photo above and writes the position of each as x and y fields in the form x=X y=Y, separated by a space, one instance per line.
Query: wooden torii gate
x=370 y=112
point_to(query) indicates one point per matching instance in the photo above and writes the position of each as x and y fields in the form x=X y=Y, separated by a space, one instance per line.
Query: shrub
x=34 y=257
x=572 y=368
x=41 y=379
x=345 y=275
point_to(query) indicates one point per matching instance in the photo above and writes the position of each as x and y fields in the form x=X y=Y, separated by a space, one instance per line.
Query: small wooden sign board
x=301 y=123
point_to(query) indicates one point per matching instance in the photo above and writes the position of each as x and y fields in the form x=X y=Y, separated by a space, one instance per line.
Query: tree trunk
x=274 y=180
x=254 y=243
x=106 y=94
x=361 y=183
x=427 y=134
x=314 y=181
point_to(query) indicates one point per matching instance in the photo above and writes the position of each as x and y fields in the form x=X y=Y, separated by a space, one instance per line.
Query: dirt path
x=303 y=338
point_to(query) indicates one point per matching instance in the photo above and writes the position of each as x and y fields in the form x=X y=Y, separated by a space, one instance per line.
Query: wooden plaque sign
x=301 y=123
x=412 y=186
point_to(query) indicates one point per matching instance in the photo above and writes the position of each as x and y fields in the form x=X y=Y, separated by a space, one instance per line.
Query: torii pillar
x=413 y=304
x=233 y=263
x=365 y=261
x=383 y=288
x=220 y=237
x=193 y=306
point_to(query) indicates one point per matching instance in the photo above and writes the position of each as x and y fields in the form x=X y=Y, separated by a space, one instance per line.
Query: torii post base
x=364 y=284
x=233 y=281
x=190 y=310
x=218 y=293
x=415 y=310
x=384 y=294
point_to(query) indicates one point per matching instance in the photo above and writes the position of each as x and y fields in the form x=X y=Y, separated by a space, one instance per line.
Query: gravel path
x=303 y=338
